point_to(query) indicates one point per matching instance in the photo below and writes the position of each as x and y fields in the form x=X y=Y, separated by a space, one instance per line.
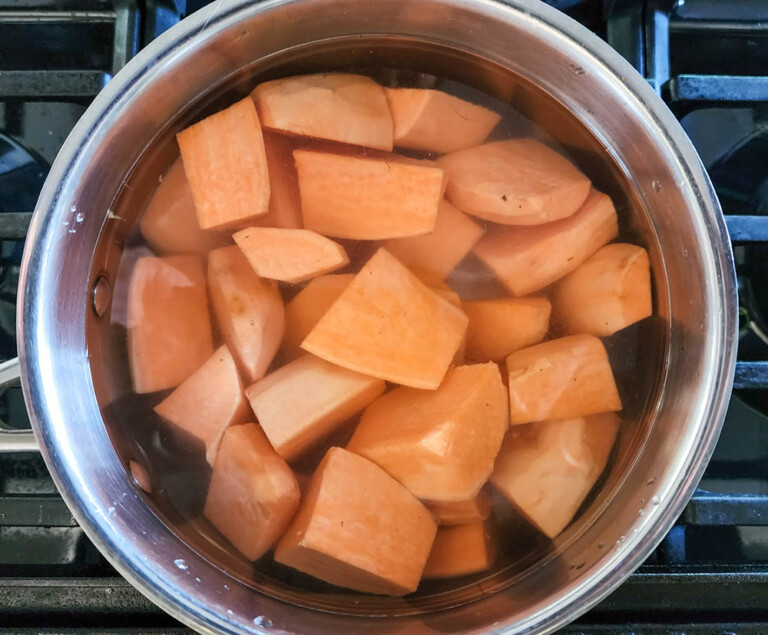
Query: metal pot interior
x=639 y=354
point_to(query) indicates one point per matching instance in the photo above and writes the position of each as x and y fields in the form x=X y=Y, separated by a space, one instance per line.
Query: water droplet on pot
x=656 y=186
x=226 y=586
x=198 y=580
x=601 y=545
x=263 y=622
x=655 y=500
x=651 y=481
x=229 y=612
x=641 y=512
x=80 y=217
x=73 y=208
x=181 y=564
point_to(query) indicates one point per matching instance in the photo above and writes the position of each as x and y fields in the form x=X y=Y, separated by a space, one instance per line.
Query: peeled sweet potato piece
x=440 y=444
x=514 y=182
x=462 y=550
x=431 y=120
x=284 y=203
x=304 y=401
x=169 y=223
x=433 y=256
x=336 y=106
x=547 y=469
x=249 y=310
x=472 y=510
x=289 y=255
x=501 y=326
x=560 y=379
x=169 y=329
x=527 y=259
x=226 y=166
x=610 y=291
x=389 y=324
x=367 y=199
x=308 y=306
x=209 y=401
x=253 y=494
x=359 y=528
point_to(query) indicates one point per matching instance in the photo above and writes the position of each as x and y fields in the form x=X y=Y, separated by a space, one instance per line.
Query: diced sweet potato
x=226 y=166
x=249 y=310
x=304 y=401
x=610 y=291
x=435 y=121
x=308 y=306
x=389 y=324
x=547 y=469
x=472 y=510
x=514 y=182
x=433 y=256
x=527 y=259
x=502 y=326
x=169 y=223
x=284 y=202
x=253 y=494
x=448 y=294
x=359 y=528
x=336 y=106
x=366 y=199
x=560 y=379
x=209 y=401
x=169 y=329
x=440 y=444
x=289 y=255
x=462 y=550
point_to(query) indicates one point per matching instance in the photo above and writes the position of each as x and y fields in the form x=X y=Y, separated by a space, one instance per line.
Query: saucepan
x=522 y=52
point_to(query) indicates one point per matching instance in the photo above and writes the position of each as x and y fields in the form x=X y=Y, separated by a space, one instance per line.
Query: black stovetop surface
x=707 y=58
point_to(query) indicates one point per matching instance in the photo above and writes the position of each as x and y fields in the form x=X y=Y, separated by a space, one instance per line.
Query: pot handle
x=11 y=439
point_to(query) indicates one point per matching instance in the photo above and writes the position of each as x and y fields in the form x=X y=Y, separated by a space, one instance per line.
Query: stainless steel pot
x=520 y=50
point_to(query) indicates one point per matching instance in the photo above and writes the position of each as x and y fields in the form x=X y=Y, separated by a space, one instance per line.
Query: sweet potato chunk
x=169 y=329
x=462 y=550
x=209 y=401
x=289 y=255
x=435 y=121
x=306 y=400
x=284 y=203
x=359 y=528
x=433 y=256
x=389 y=324
x=308 y=306
x=253 y=494
x=527 y=259
x=514 y=182
x=610 y=291
x=560 y=379
x=472 y=510
x=336 y=106
x=226 y=166
x=367 y=199
x=500 y=327
x=249 y=310
x=440 y=444
x=547 y=469
x=169 y=223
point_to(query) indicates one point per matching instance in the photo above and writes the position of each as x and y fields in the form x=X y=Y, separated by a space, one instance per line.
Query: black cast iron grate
x=703 y=56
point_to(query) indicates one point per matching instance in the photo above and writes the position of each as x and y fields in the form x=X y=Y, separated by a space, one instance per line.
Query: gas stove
x=707 y=58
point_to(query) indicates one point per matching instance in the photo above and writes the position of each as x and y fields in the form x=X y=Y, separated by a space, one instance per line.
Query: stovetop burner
x=706 y=58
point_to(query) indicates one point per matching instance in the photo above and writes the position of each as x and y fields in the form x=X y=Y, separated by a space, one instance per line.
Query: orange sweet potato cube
x=471 y=510
x=560 y=379
x=226 y=166
x=501 y=326
x=527 y=259
x=462 y=550
x=209 y=401
x=546 y=469
x=249 y=310
x=358 y=528
x=367 y=198
x=253 y=494
x=284 y=203
x=169 y=329
x=305 y=400
x=440 y=444
x=434 y=121
x=389 y=324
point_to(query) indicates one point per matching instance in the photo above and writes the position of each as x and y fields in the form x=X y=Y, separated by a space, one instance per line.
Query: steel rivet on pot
x=101 y=295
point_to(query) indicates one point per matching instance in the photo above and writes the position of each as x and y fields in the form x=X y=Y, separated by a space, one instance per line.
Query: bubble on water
x=263 y=622
x=655 y=500
x=181 y=564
